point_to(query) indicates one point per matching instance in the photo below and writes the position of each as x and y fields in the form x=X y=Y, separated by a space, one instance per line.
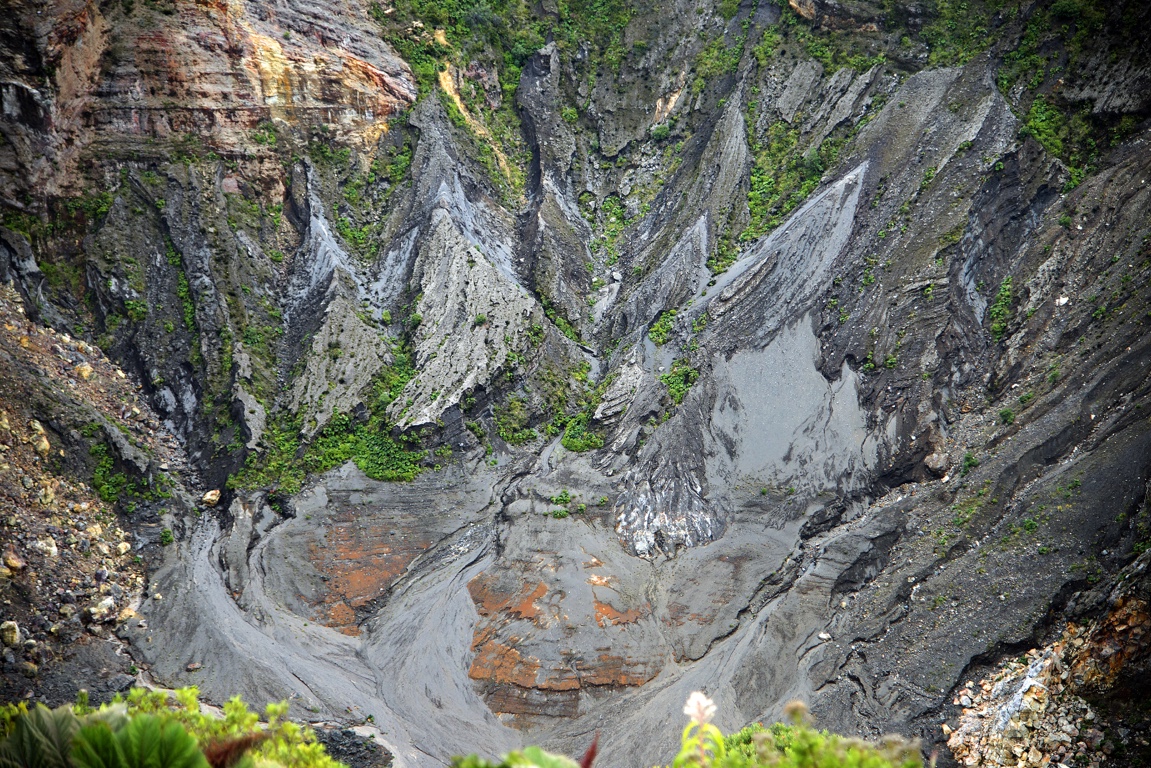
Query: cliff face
x=553 y=363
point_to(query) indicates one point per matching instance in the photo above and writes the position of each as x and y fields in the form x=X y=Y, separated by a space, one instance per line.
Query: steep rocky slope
x=553 y=362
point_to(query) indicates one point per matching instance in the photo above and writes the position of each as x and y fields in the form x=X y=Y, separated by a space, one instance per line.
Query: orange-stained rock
x=1114 y=646
x=361 y=557
x=342 y=616
x=517 y=617
x=490 y=602
x=499 y=663
x=613 y=669
x=605 y=613
x=805 y=8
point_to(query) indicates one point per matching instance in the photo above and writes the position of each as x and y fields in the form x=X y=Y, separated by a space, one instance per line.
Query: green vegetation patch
x=834 y=50
x=184 y=293
x=579 y=437
x=1000 y=311
x=782 y=176
x=679 y=380
x=115 y=487
x=660 y=330
x=512 y=422
x=147 y=728
x=715 y=59
x=702 y=745
x=106 y=481
x=612 y=220
x=959 y=32
x=369 y=444
x=565 y=327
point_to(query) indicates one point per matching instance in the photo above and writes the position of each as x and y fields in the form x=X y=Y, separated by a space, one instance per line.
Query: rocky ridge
x=777 y=353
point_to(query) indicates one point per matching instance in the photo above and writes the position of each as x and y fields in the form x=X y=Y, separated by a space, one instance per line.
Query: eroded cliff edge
x=554 y=363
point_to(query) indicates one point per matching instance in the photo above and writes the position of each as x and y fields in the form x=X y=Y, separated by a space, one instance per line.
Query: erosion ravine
x=481 y=374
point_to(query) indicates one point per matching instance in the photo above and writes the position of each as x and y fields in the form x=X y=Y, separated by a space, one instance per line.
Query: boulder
x=10 y=634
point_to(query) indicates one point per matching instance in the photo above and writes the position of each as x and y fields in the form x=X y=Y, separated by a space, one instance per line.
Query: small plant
x=928 y=177
x=660 y=330
x=559 y=514
x=569 y=114
x=660 y=132
x=1026 y=398
x=137 y=311
x=166 y=537
x=1000 y=311
x=481 y=319
x=578 y=436
x=969 y=463
x=1007 y=417
x=679 y=380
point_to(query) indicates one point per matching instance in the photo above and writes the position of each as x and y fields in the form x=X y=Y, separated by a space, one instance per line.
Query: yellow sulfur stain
x=448 y=84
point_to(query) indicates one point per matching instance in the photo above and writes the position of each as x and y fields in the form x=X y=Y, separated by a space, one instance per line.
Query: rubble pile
x=1033 y=710
x=69 y=569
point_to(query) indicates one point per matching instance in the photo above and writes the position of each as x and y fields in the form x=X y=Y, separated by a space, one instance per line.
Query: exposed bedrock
x=757 y=375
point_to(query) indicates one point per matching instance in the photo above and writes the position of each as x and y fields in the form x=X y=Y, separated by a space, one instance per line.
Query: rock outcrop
x=534 y=368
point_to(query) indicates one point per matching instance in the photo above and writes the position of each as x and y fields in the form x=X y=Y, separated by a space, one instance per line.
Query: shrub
x=578 y=437
x=137 y=310
x=1000 y=311
x=783 y=174
x=166 y=537
x=150 y=729
x=1007 y=416
x=1047 y=124
x=660 y=330
x=109 y=483
x=702 y=745
x=679 y=380
x=512 y=422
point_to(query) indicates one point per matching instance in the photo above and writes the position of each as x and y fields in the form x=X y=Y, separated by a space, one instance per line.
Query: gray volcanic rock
x=753 y=354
